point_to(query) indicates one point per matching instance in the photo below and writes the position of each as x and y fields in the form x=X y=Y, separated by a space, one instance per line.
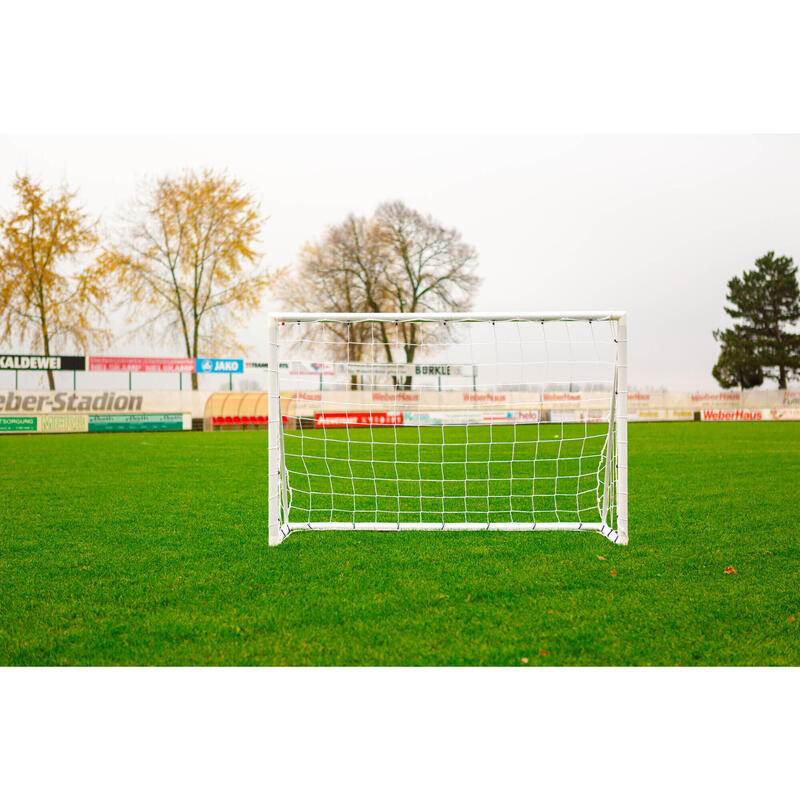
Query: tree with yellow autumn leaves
x=46 y=300
x=185 y=262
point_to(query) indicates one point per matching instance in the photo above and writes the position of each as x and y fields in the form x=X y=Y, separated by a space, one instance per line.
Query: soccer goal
x=451 y=421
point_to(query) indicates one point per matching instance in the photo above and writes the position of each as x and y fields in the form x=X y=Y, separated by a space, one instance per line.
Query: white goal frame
x=278 y=514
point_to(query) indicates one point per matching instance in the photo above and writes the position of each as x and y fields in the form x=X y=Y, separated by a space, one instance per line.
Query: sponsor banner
x=64 y=423
x=71 y=363
x=492 y=418
x=579 y=415
x=647 y=415
x=468 y=417
x=784 y=414
x=296 y=367
x=661 y=415
x=406 y=370
x=395 y=397
x=791 y=398
x=357 y=419
x=717 y=397
x=309 y=368
x=219 y=365
x=737 y=415
x=483 y=397
x=131 y=364
x=533 y=415
x=309 y=397
x=17 y=424
x=442 y=417
x=135 y=422
x=563 y=397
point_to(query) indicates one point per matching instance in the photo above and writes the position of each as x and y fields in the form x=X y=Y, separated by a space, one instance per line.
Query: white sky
x=323 y=109
x=654 y=225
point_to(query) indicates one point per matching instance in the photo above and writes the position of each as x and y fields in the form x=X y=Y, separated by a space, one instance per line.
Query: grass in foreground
x=151 y=549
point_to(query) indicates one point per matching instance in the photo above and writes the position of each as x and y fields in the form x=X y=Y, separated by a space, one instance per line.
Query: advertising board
x=395 y=397
x=218 y=365
x=777 y=414
x=402 y=370
x=135 y=422
x=472 y=417
x=17 y=424
x=737 y=415
x=135 y=364
x=309 y=368
x=647 y=415
x=680 y=415
x=357 y=419
x=579 y=415
x=63 y=423
x=71 y=363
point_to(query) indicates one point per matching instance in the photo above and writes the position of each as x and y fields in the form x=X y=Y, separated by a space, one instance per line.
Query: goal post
x=448 y=421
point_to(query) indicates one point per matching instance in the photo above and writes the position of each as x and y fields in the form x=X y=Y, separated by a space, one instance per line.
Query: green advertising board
x=135 y=422
x=17 y=424
x=63 y=423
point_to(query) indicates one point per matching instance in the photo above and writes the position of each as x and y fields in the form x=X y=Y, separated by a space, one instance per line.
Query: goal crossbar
x=466 y=316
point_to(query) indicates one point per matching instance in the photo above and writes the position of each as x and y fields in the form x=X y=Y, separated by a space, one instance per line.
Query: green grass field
x=151 y=549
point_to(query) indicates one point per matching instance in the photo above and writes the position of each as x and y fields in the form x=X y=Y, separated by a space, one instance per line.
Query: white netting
x=448 y=424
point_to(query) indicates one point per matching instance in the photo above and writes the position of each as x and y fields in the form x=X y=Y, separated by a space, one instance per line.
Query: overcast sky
x=654 y=225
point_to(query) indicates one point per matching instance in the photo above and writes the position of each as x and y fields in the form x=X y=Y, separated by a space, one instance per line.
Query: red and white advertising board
x=734 y=415
x=791 y=413
x=357 y=419
x=135 y=364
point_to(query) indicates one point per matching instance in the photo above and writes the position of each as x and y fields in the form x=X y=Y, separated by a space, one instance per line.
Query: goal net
x=448 y=421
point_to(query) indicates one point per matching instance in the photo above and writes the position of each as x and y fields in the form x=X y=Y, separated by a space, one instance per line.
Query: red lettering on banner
x=130 y=364
x=391 y=397
x=561 y=397
x=356 y=419
x=739 y=415
x=718 y=396
x=487 y=397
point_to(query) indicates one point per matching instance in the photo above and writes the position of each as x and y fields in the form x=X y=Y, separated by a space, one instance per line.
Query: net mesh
x=396 y=424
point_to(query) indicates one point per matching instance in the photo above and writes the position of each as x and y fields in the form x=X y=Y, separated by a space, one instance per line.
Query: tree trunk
x=352 y=357
x=411 y=352
x=50 y=379
x=782 y=377
x=193 y=355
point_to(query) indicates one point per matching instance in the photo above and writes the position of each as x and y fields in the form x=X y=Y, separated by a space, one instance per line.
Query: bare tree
x=398 y=260
x=432 y=269
x=341 y=272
